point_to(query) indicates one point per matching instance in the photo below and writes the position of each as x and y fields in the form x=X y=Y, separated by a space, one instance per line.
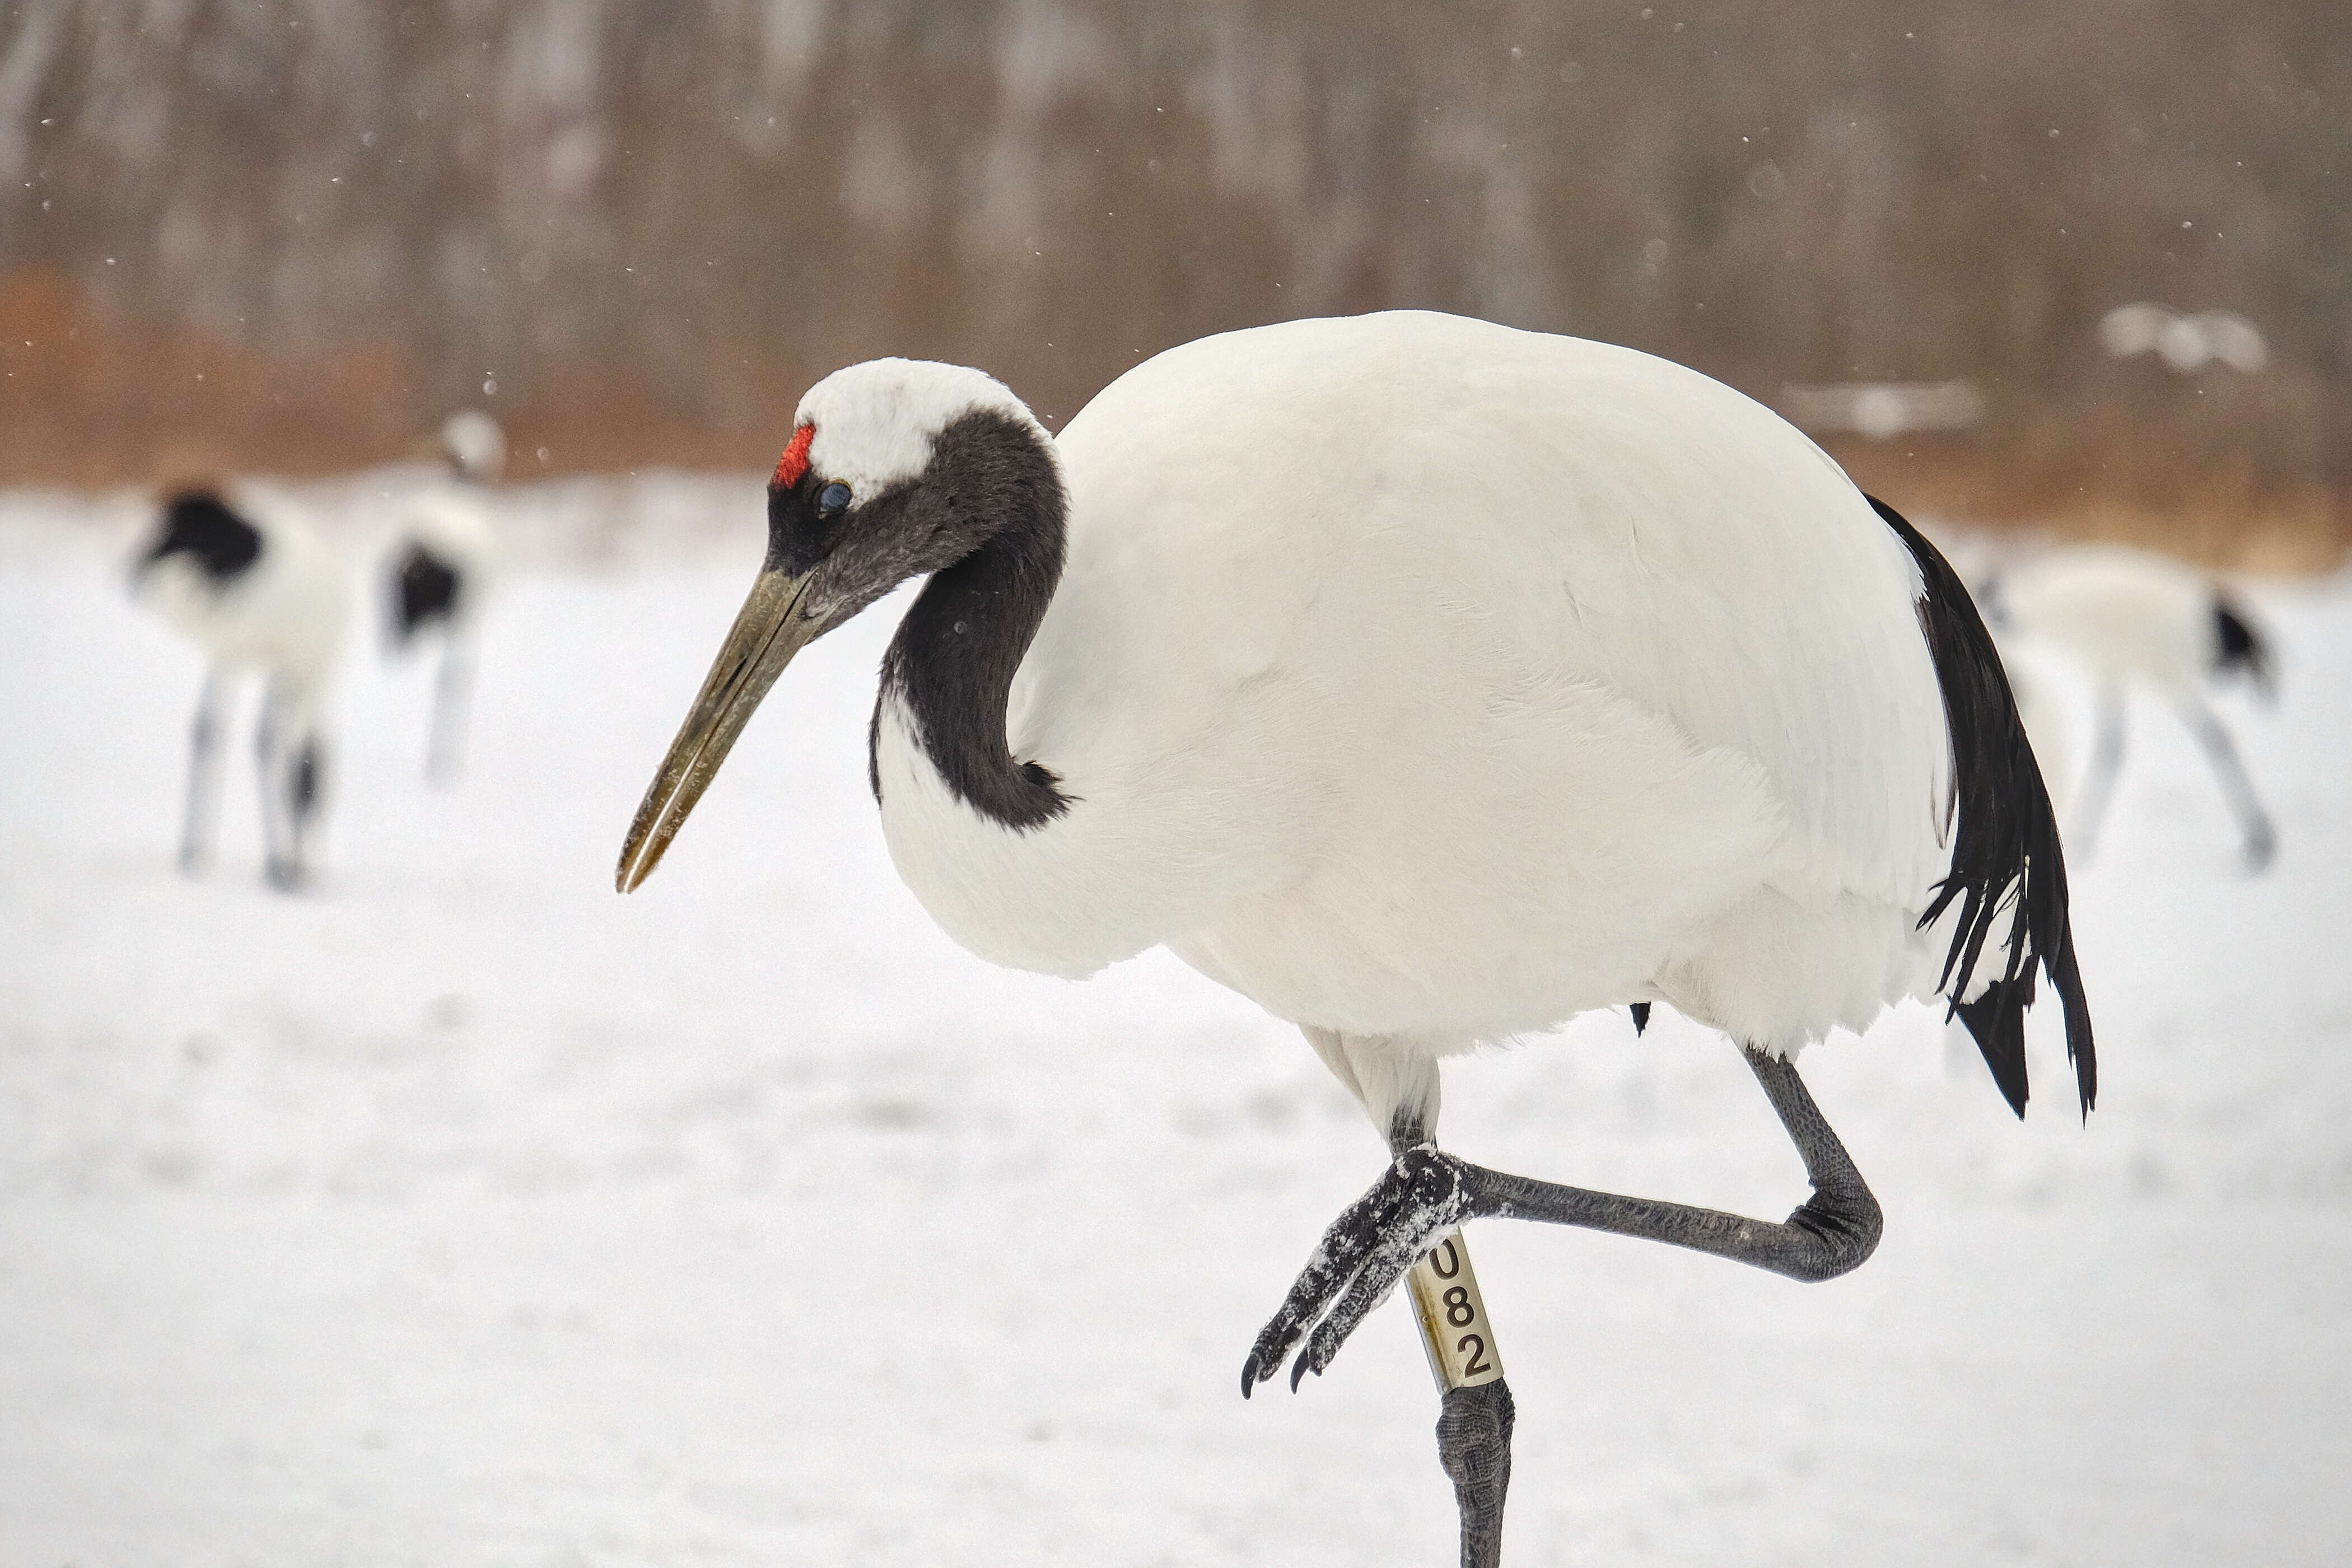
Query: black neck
x=953 y=663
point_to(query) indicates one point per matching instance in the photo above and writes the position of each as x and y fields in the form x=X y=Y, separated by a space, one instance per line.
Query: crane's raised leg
x=204 y=774
x=2254 y=823
x=2099 y=781
x=1428 y=1191
x=453 y=690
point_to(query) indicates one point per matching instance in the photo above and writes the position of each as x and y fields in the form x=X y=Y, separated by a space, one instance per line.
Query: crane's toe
x=1425 y=1193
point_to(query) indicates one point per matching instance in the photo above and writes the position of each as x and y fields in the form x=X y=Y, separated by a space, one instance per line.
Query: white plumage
x=440 y=572
x=1425 y=681
x=260 y=595
x=2130 y=618
x=1429 y=683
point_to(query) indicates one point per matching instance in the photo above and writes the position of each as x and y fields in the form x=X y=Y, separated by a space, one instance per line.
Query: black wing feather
x=2005 y=851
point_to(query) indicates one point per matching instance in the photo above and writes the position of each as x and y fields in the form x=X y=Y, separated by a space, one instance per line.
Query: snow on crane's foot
x=1425 y=1193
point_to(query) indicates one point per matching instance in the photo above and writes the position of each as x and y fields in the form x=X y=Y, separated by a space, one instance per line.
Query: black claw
x=1299 y=1372
x=1249 y=1375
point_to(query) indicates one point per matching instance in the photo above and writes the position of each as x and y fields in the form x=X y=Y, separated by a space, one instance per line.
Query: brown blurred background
x=290 y=235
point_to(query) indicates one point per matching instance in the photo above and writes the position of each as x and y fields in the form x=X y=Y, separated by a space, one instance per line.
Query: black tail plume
x=424 y=592
x=2005 y=851
x=2237 y=645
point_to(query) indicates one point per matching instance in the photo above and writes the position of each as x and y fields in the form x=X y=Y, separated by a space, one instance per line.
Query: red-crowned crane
x=260 y=595
x=2132 y=617
x=1430 y=683
x=444 y=555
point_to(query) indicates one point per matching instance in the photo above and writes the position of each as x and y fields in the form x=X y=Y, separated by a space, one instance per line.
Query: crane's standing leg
x=453 y=690
x=1476 y=1413
x=2107 y=761
x=2254 y=823
x=204 y=774
x=1427 y=1192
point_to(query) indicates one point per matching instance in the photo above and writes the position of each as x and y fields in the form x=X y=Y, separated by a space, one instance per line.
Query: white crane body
x=283 y=617
x=2126 y=615
x=1428 y=682
x=1314 y=570
x=451 y=524
x=260 y=595
x=443 y=564
x=2130 y=617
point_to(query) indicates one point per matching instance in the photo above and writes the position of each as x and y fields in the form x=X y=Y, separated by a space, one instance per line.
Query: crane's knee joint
x=1845 y=1222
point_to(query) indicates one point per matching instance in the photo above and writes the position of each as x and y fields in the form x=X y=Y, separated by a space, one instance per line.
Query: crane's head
x=895 y=468
x=474 y=447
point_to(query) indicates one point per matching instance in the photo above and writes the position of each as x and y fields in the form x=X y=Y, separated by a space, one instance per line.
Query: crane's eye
x=834 y=499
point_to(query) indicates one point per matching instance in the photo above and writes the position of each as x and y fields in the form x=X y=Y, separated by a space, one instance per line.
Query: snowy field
x=461 y=1211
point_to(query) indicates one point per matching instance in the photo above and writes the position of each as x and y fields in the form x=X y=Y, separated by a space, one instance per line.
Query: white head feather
x=876 y=422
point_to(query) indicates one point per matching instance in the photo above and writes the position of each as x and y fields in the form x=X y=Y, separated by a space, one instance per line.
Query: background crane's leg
x=304 y=778
x=2107 y=761
x=2254 y=822
x=1427 y=1192
x=204 y=774
x=453 y=691
x=278 y=863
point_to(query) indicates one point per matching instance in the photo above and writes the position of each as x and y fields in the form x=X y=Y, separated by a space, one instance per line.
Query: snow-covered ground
x=464 y=1212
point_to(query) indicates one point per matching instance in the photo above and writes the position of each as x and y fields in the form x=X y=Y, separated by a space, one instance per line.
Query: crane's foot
x=1425 y=1193
x=1473 y=1442
x=2261 y=844
x=285 y=876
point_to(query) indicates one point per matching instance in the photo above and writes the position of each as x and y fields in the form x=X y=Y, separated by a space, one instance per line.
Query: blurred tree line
x=291 y=234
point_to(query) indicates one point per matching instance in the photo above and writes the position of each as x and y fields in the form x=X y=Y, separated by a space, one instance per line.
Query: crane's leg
x=1475 y=1413
x=1427 y=1192
x=453 y=691
x=204 y=774
x=265 y=759
x=2107 y=761
x=1474 y=1442
x=288 y=780
x=2254 y=822
x=304 y=781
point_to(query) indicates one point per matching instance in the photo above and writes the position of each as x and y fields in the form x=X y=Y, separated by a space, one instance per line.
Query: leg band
x=1455 y=1328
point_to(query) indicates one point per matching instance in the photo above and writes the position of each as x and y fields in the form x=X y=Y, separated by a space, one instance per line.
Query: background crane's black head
x=198 y=525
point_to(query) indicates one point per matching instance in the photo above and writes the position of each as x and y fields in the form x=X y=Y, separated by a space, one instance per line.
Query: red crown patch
x=795 y=462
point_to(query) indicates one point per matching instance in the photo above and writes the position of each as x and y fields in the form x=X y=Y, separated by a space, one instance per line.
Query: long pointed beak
x=765 y=636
